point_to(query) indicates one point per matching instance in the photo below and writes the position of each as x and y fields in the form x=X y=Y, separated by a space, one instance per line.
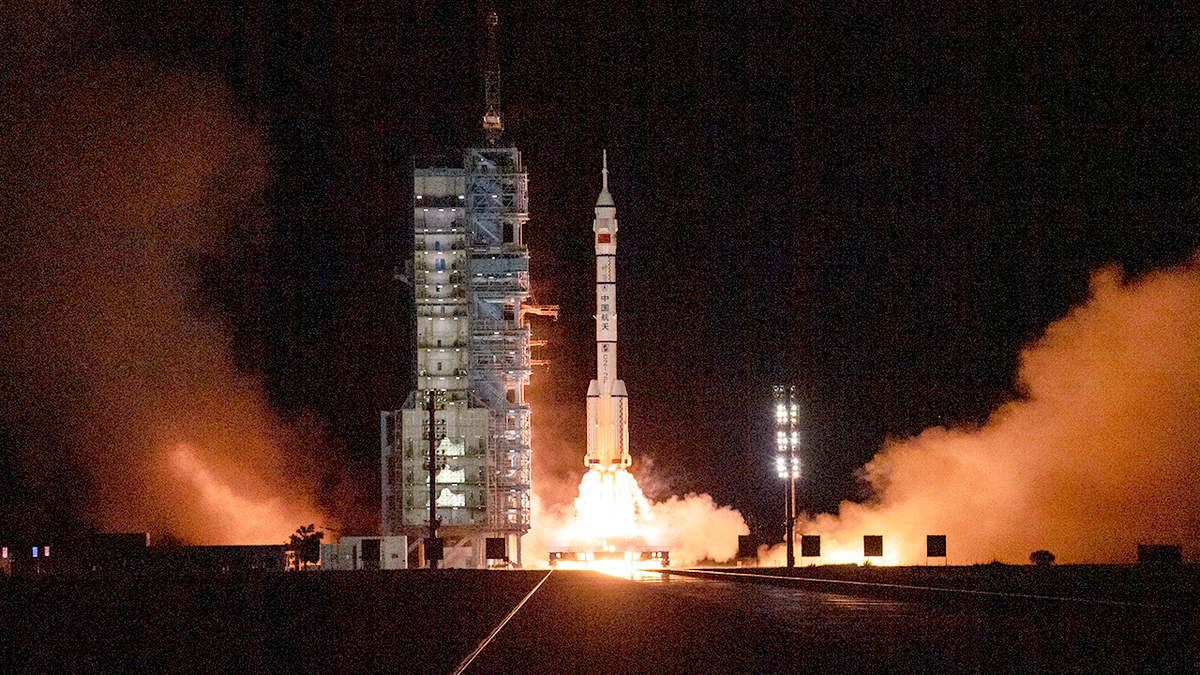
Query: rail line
x=830 y=584
x=466 y=662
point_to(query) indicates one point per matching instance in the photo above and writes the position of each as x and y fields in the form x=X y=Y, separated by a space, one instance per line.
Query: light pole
x=787 y=458
x=433 y=432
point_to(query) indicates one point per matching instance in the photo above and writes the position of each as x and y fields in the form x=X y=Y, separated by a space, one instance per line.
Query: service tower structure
x=607 y=399
x=471 y=304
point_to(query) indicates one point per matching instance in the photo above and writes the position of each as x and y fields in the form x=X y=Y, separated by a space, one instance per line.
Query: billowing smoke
x=1102 y=454
x=696 y=529
x=132 y=181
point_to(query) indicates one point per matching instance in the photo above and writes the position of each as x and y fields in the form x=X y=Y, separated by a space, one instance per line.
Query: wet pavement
x=589 y=624
x=423 y=621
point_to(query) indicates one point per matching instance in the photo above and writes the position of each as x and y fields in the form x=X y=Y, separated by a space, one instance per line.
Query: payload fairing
x=607 y=400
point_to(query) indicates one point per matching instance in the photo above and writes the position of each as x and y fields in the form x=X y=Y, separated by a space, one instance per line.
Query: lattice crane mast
x=492 y=124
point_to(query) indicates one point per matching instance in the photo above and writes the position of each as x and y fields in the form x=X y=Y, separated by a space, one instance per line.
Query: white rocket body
x=607 y=400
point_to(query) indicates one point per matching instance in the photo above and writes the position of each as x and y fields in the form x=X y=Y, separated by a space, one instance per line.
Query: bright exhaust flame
x=610 y=502
x=610 y=508
x=615 y=568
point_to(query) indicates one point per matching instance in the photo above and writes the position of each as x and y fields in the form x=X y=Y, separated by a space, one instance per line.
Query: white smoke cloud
x=696 y=529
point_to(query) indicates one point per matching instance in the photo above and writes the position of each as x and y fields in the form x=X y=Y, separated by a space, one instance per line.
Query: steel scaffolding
x=471 y=291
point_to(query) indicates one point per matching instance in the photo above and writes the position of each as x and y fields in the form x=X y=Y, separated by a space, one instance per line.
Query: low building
x=365 y=553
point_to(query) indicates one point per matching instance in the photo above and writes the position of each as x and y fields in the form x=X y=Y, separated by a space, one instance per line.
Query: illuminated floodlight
x=787 y=464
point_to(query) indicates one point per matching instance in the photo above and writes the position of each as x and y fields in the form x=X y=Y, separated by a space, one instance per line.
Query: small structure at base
x=1159 y=554
x=365 y=553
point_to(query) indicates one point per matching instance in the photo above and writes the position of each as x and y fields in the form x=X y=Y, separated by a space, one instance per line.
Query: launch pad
x=631 y=549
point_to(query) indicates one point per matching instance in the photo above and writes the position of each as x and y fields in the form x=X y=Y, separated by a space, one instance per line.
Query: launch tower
x=471 y=302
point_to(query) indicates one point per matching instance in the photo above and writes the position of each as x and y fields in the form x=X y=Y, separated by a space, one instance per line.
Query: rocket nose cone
x=605 y=198
x=593 y=389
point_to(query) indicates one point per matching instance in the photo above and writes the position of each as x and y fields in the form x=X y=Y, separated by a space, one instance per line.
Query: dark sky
x=880 y=206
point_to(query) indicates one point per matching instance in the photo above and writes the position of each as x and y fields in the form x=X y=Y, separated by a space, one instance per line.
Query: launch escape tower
x=471 y=301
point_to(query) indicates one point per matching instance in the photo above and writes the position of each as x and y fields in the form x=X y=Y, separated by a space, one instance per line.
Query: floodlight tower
x=787 y=457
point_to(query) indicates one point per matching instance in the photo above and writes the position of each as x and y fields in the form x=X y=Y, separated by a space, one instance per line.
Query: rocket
x=607 y=401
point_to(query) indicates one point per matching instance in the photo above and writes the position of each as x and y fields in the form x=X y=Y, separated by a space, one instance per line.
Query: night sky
x=879 y=206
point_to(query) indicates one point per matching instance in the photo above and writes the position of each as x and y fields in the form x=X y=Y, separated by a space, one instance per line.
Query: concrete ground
x=421 y=621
